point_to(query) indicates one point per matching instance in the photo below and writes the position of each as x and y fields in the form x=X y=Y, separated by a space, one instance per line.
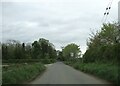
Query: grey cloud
x=60 y=21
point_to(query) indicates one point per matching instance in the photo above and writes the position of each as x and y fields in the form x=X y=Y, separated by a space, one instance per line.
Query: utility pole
x=119 y=12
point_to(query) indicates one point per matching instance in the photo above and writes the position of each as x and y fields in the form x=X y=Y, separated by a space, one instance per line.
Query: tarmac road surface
x=59 y=73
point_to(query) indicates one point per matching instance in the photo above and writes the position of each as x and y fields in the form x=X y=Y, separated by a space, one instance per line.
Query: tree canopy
x=104 y=45
x=40 y=49
x=71 y=51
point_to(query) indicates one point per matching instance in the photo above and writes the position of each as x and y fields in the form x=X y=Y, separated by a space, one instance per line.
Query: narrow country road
x=59 y=73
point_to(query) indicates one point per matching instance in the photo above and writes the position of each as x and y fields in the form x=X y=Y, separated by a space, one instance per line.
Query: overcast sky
x=60 y=21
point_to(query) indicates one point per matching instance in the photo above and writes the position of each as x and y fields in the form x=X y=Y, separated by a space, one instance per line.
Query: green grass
x=107 y=71
x=21 y=73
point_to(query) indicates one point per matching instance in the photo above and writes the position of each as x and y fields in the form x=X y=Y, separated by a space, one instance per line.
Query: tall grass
x=107 y=71
x=21 y=73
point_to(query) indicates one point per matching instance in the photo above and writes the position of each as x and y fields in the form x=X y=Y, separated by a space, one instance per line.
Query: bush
x=21 y=73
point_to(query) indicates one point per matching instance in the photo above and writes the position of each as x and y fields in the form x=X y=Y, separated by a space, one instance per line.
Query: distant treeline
x=41 y=49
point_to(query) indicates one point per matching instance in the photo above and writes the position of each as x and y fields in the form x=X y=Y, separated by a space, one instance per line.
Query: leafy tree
x=44 y=46
x=60 y=55
x=102 y=45
x=4 y=51
x=43 y=49
x=28 y=51
x=36 y=52
x=18 y=51
x=71 y=51
x=11 y=45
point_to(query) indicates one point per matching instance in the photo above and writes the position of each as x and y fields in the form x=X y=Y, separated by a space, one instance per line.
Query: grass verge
x=105 y=71
x=21 y=73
